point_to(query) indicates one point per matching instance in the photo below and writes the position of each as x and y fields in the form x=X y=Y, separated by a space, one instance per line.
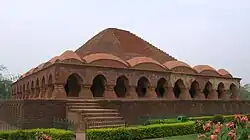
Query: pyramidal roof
x=122 y=43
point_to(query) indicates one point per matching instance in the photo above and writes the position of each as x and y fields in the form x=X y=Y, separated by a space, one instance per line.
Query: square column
x=59 y=91
x=184 y=95
x=109 y=92
x=86 y=92
x=131 y=93
x=169 y=93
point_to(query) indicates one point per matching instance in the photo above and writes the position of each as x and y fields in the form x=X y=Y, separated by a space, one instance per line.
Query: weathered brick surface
x=132 y=110
x=32 y=113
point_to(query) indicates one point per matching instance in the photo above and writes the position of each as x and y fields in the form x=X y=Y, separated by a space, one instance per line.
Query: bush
x=142 y=132
x=56 y=134
x=218 y=118
x=165 y=121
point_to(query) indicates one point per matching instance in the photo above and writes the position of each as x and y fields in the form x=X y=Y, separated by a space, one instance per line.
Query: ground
x=185 y=137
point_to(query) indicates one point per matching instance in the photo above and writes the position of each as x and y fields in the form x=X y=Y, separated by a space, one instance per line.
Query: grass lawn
x=185 y=137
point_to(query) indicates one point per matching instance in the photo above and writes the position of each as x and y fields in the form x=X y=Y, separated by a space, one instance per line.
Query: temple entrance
x=121 y=86
x=220 y=90
x=207 y=89
x=98 y=86
x=73 y=85
x=142 y=87
x=160 y=89
x=193 y=89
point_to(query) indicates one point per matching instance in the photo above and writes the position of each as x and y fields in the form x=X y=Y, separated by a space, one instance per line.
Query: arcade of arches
x=74 y=87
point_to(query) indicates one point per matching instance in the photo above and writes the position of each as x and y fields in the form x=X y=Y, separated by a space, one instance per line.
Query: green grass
x=185 y=137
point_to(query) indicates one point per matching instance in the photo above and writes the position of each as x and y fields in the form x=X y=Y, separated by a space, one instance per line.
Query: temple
x=117 y=64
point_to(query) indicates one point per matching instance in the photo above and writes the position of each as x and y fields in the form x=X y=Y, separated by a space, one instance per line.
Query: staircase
x=95 y=114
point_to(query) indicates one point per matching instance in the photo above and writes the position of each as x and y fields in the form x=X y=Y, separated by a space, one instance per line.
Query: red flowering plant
x=239 y=129
x=42 y=136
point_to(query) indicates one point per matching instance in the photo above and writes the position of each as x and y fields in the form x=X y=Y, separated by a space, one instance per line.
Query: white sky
x=213 y=32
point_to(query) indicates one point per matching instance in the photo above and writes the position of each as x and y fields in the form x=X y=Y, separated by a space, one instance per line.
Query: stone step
x=108 y=118
x=107 y=122
x=103 y=114
x=84 y=107
x=93 y=110
x=82 y=103
x=107 y=126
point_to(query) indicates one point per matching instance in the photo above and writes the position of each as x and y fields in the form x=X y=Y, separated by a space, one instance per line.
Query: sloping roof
x=124 y=44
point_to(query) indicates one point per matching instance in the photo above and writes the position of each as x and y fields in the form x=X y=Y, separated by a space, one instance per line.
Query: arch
x=37 y=88
x=179 y=84
x=121 y=87
x=50 y=86
x=98 y=86
x=28 y=87
x=232 y=89
x=208 y=89
x=220 y=89
x=161 y=86
x=32 y=88
x=142 y=87
x=43 y=82
x=23 y=88
x=193 y=90
x=73 y=85
x=69 y=54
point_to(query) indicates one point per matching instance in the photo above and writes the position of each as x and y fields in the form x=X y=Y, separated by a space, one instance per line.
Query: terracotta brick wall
x=133 y=111
x=32 y=113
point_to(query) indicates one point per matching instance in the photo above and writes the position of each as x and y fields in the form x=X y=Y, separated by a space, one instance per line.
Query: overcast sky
x=213 y=32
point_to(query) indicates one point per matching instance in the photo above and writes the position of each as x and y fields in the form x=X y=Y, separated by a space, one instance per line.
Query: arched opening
x=208 y=89
x=73 y=85
x=160 y=89
x=220 y=90
x=142 y=87
x=32 y=88
x=50 y=87
x=121 y=86
x=43 y=87
x=194 y=87
x=98 y=86
x=233 y=90
x=37 y=88
x=28 y=88
x=179 y=84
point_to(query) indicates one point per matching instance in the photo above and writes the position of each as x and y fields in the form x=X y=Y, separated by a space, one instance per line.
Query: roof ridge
x=152 y=46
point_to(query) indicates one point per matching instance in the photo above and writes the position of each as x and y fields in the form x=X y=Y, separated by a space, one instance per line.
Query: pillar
x=151 y=93
x=42 y=92
x=131 y=93
x=109 y=92
x=169 y=93
x=225 y=95
x=59 y=91
x=184 y=95
x=85 y=91
x=199 y=95
x=48 y=93
x=213 y=95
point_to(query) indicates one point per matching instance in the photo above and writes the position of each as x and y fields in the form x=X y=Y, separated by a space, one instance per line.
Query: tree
x=5 y=83
x=245 y=92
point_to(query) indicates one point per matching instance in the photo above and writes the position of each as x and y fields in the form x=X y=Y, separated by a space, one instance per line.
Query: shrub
x=56 y=134
x=142 y=132
x=165 y=121
x=218 y=118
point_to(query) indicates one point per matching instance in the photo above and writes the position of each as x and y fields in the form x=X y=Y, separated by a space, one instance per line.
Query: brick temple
x=114 y=79
x=118 y=64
